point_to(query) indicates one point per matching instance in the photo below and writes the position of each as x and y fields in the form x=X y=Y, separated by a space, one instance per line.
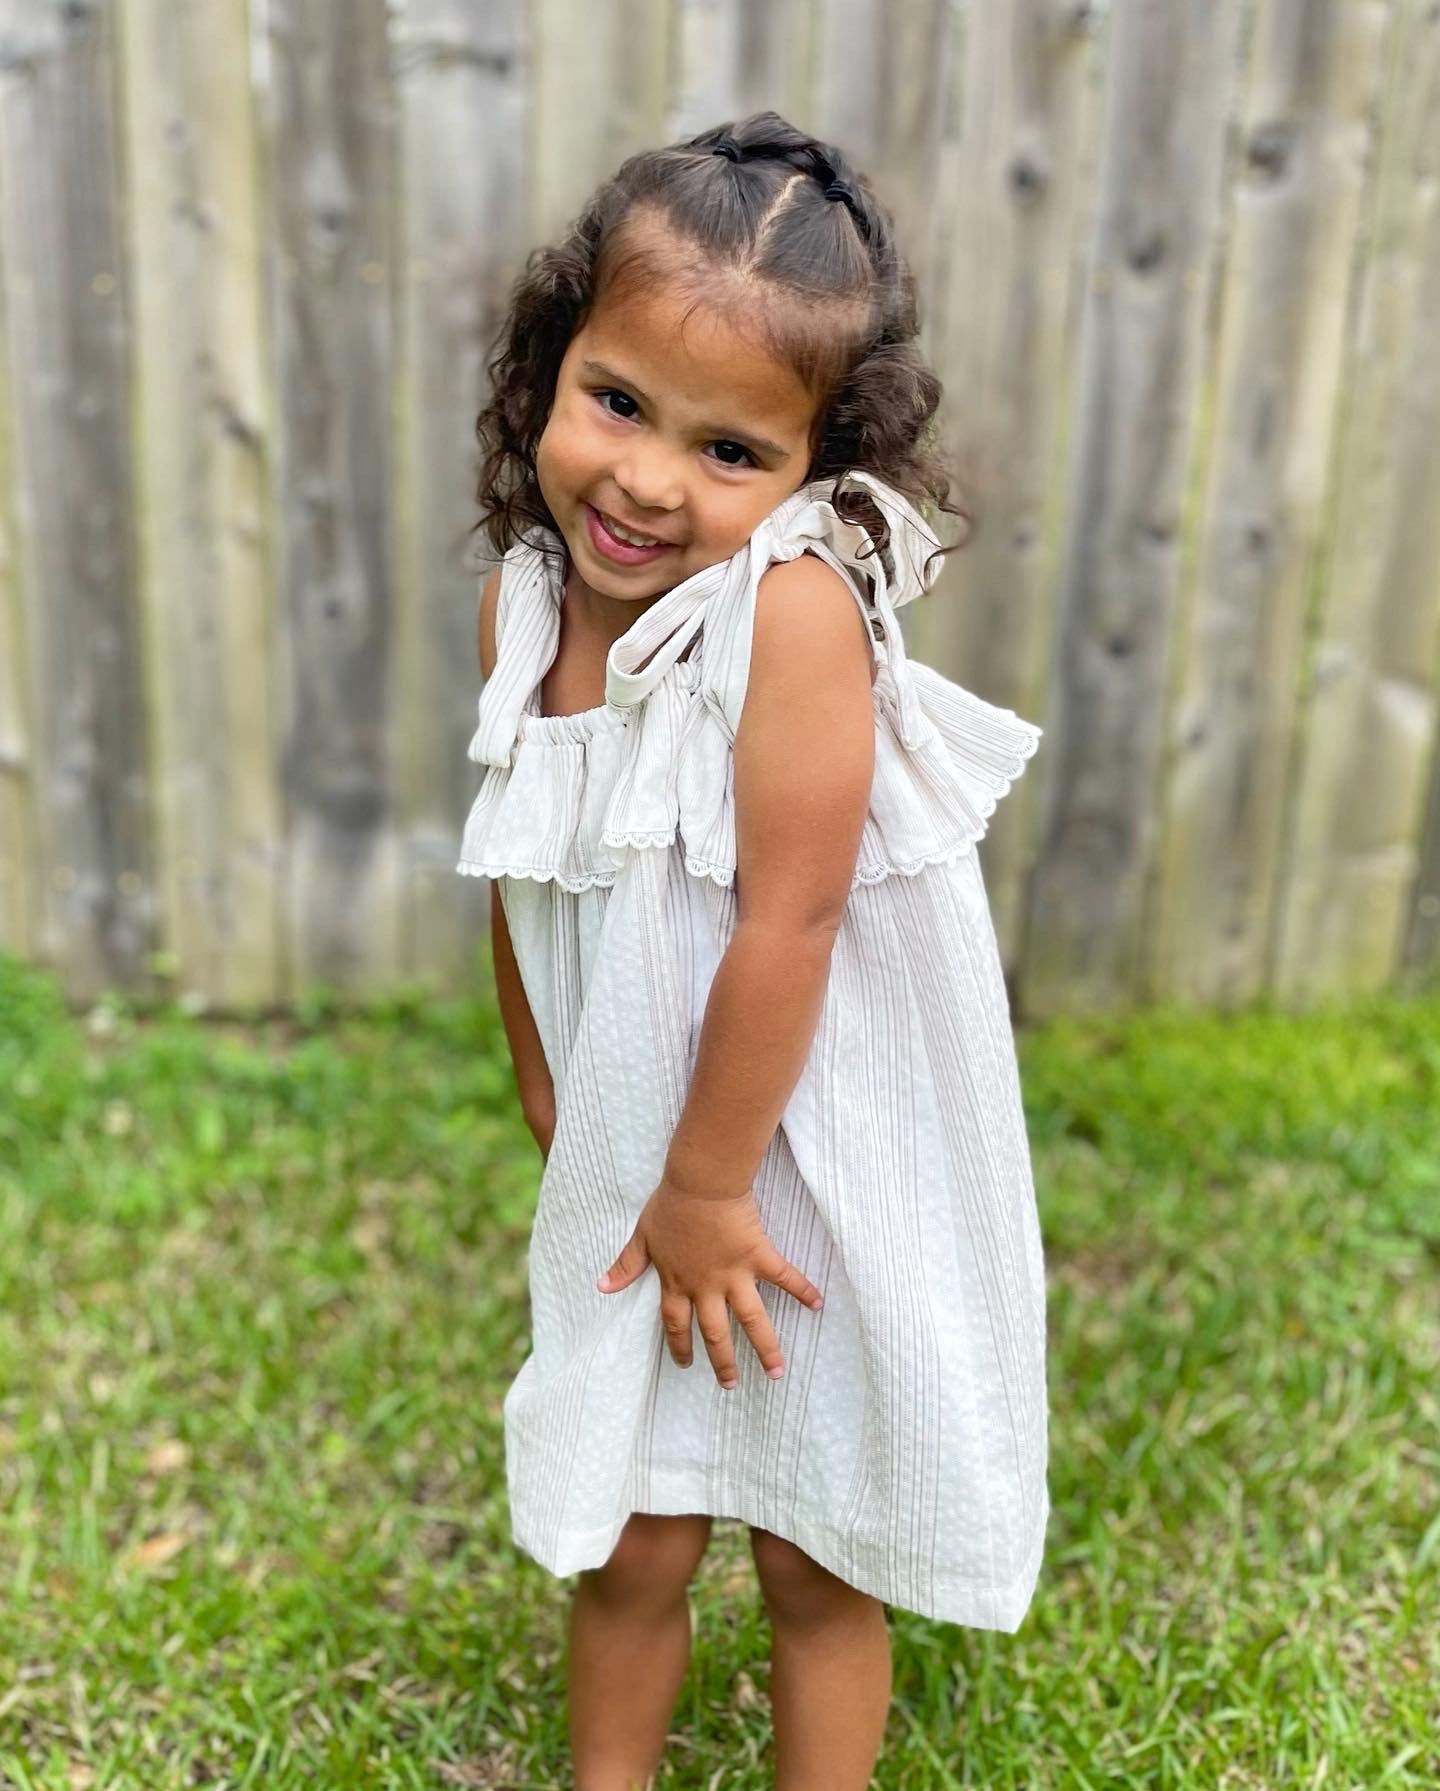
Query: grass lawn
x=262 y=1289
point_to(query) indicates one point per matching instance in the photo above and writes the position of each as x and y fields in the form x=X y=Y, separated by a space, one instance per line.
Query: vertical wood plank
x=1170 y=78
x=202 y=518
x=1296 y=204
x=462 y=85
x=66 y=302
x=880 y=94
x=1370 y=721
x=850 y=101
x=329 y=150
x=734 y=57
x=601 y=83
x=1420 y=956
x=19 y=864
x=1011 y=200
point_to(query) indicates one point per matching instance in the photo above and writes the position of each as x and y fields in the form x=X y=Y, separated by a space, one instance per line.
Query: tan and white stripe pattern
x=905 y=1447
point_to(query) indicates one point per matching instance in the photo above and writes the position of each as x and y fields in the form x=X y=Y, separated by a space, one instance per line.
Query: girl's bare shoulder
x=807 y=616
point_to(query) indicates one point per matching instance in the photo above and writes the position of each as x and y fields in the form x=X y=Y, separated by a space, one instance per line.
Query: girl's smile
x=622 y=546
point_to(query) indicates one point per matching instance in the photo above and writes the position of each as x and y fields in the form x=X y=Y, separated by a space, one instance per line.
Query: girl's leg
x=629 y=1649
x=830 y=1670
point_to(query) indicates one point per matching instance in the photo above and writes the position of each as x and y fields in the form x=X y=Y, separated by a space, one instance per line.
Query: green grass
x=262 y=1289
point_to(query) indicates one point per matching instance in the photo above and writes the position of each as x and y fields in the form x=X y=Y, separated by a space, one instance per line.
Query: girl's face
x=679 y=429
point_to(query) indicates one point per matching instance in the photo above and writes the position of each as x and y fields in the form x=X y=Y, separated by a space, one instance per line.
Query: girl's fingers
x=786 y=1275
x=756 y=1322
x=631 y=1261
x=675 y=1320
x=713 y=1317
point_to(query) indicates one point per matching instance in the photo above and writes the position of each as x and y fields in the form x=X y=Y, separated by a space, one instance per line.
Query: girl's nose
x=650 y=479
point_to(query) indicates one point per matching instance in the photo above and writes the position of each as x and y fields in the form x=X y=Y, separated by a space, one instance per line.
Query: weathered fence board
x=600 y=91
x=1295 y=202
x=732 y=57
x=1369 y=745
x=330 y=193
x=67 y=305
x=1010 y=199
x=19 y=857
x=898 y=88
x=462 y=78
x=1170 y=69
x=203 y=462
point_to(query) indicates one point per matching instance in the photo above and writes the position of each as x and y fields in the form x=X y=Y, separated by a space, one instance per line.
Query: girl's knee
x=795 y=1587
x=655 y=1558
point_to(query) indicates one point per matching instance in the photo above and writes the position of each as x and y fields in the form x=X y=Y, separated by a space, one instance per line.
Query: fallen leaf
x=746 y=1696
x=166 y=1457
x=480 y=1775
x=156 y=1550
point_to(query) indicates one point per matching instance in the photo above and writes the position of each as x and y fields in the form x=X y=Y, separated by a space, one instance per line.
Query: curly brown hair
x=825 y=283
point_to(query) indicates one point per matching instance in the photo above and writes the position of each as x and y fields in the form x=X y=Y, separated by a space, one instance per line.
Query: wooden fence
x=1181 y=267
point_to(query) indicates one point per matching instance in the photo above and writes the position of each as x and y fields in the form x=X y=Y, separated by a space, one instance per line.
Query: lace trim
x=724 y=875
x=654 y=836
x=571 y=885
x=877 y=873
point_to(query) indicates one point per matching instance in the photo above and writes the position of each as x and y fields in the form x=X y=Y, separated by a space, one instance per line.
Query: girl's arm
x=804 y=764
x=532 y=1073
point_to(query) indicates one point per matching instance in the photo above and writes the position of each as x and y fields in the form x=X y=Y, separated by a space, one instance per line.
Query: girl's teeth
x=626 y=536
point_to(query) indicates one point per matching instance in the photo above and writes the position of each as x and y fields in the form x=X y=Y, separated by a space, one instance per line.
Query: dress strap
x=664 y=631
x=527 y=633
x=808 y=521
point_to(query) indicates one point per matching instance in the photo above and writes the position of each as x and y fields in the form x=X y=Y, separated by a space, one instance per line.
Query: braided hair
x=826 y=289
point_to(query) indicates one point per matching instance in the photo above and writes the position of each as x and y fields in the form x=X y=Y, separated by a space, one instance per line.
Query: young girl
x=745 y=958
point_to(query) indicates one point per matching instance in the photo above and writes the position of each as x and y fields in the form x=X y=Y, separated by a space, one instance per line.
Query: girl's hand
x=708 y=1251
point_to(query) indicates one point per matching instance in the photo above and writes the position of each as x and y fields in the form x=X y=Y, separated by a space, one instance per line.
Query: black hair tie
x=845 y=193
x=726 y=146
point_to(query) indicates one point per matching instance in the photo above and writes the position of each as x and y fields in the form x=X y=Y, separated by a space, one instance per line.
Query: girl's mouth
x=622 y=553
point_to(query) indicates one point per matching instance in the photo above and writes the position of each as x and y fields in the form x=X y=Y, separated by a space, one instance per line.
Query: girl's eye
x=603 y=397
x=624 y=399
x=749 y=458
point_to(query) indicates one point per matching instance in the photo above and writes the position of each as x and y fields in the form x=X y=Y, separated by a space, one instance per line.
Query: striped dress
x=905 y=1446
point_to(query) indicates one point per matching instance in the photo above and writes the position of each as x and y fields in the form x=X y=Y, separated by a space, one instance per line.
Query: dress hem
x=997 y=1607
